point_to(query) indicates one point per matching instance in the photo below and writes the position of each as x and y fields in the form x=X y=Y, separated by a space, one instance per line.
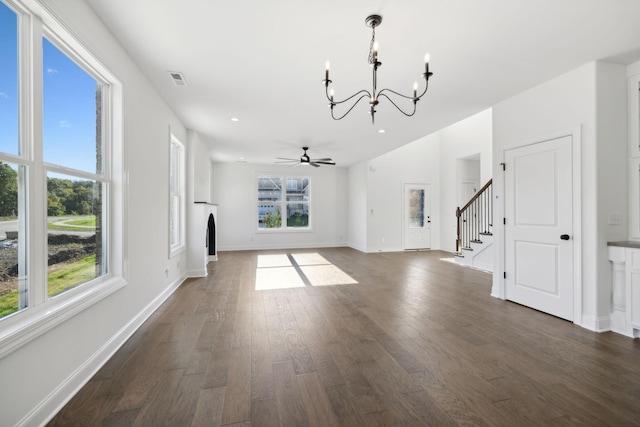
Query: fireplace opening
x=211 y=235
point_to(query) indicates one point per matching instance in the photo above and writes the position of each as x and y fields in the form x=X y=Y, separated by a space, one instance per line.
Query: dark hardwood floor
x=416 y=341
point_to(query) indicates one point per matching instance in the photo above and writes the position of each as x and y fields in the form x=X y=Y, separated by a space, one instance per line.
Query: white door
x=417 y=216
x=539 y=227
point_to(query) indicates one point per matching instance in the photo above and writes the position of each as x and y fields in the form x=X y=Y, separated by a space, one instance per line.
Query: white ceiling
x=263 y=61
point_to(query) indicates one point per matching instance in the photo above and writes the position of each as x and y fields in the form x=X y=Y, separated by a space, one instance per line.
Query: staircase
x=474 y=239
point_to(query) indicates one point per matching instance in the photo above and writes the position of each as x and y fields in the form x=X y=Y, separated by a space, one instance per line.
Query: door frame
x=499 y=283
x=404 y=211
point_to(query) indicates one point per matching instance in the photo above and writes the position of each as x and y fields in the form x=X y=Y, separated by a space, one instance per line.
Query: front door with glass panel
x=417 y=216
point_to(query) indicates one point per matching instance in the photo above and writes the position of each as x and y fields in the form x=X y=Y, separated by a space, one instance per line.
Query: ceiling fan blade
x=305 y=160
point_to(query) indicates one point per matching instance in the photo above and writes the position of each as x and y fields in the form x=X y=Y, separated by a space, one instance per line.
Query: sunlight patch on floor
x=278 y=278
x=276 y=260
x=310 y=259
x=285 y=271
x=326 y=275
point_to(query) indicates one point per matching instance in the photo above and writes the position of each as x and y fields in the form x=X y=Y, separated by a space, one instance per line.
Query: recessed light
x=381 y=131
x=235 y=119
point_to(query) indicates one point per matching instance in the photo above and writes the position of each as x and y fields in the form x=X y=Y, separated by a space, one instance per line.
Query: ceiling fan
x=306 y=160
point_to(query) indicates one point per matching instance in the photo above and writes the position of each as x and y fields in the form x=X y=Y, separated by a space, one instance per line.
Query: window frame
x=283 y=203
x=180 y=195
x=44 y=313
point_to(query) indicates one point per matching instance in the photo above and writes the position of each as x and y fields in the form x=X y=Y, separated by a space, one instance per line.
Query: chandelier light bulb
x=326 y=72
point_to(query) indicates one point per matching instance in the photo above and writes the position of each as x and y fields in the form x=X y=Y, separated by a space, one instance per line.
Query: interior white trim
x=256 y=246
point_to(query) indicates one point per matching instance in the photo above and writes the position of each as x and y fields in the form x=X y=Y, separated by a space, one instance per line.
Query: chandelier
x=374 y=96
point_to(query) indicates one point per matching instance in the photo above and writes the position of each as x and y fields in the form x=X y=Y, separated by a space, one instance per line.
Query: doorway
x=417 y=216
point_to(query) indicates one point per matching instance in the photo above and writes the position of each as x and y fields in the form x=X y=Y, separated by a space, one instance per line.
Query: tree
x=8 y=190
x=67 y=197
x=273 y=219
x=54 y=207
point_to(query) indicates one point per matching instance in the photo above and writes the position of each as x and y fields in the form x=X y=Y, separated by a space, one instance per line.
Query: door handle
x=565 y=237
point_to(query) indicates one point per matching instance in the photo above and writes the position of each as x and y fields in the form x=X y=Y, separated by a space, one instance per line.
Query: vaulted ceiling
x=263 y=62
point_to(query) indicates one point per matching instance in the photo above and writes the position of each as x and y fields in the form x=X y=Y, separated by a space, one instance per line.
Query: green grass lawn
x=87 y=222
x=8 y=303
x=65 y=278
x=72 y=275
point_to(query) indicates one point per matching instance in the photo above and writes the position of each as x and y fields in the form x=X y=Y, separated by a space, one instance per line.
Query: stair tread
x=486 y=234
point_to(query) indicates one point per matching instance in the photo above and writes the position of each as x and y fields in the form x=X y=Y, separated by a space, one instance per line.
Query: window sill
x=25 y=326
x=283 y=230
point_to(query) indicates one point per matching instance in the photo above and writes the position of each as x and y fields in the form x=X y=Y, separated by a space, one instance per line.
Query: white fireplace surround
x=199 y=242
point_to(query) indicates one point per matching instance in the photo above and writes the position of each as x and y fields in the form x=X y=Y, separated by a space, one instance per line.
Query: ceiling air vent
x=178 y=78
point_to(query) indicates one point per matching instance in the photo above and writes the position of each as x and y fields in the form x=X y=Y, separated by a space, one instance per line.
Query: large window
x=176 y=196
x=60 y=175
x=73 y=154
x=284 y=202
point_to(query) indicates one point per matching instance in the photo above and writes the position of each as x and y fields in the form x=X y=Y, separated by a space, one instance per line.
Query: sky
x=69 y=109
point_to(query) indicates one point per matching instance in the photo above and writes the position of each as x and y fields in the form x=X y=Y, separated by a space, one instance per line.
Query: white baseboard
x=596 y=324
x=357 y=248
x=619 y=324
x=62 y=394
x=281 y=246
x=199 y=272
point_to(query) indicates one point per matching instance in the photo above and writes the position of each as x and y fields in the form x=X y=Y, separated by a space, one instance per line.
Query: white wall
x=234 y=187
x=612 y=155
x=472 y=136
x=358 y=206
x=38 y=377
x=199 y=169
x=428 y=160
x=562 y=105
x=198 y=190
x=416 y=163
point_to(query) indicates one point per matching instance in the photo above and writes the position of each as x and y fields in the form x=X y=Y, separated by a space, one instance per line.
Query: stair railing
x=475 y=218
